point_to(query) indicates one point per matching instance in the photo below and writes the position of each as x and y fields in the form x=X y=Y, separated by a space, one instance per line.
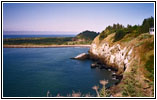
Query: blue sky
x=72 y=17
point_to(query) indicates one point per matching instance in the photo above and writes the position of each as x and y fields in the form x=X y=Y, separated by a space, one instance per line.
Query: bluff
x=133 y=56
x=113 y=54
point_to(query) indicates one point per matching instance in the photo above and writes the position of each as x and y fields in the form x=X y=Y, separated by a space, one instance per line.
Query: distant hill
x=86 y=35
x=84 y=38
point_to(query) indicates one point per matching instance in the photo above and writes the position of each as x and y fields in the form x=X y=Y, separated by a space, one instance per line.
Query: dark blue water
x=35 y=36
x=32 y=34
x=31 y=72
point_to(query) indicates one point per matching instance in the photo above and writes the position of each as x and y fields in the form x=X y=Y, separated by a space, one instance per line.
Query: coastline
x=43 y=46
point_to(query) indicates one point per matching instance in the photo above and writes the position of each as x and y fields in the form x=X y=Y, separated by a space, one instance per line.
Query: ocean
x=32 y=34
x=32 y=72
x=35 y=36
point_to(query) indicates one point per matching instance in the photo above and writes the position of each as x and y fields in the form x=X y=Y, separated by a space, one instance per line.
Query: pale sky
x=72 y=17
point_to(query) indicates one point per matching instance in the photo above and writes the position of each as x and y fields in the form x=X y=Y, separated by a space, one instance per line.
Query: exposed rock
x=113 y=73
x=126 y=56
x=112 y=55
x=93 y=66
x=114 y=78
x=81 y=56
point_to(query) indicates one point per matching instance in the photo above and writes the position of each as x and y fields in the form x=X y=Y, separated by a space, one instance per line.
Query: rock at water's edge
x=81 y=56
x=94 y=65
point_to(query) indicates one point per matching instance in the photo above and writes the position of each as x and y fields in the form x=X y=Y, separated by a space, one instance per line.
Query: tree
x=147 y=23
x=119 y=35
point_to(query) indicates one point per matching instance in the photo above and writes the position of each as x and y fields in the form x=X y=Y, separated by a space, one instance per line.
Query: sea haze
x=31 y=72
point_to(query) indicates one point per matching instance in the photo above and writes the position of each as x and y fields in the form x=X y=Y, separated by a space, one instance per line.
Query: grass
x=131 y=85
x=129 y=37
x=149 y=66
x=144 y=36
x=139 y=44
x=147 y=58
x=102 y=36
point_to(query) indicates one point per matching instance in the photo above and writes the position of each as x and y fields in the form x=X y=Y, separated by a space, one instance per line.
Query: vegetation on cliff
x=138 y=76
x=121 y=31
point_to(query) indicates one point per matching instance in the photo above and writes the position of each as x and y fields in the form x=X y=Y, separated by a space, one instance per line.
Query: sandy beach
x=43 y=46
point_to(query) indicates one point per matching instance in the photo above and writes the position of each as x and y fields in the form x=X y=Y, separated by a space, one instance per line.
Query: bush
x=121 y=31
x=119 y=35
x=149 y=45
x=102 y=36
x=132 y=86
x=150 y=67
x=147 y=23
x=144 y=36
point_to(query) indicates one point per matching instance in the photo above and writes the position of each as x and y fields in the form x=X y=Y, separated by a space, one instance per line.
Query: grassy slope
x=139 y=80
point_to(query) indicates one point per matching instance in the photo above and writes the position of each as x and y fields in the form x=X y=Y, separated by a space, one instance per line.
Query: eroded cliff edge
x=112 y=54
x=129 y=56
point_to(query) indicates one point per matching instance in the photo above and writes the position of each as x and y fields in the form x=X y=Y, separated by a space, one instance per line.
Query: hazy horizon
x=72 y=18
x=39 y=33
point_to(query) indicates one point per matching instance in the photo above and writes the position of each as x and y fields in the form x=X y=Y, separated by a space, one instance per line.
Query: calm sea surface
x=31 y=72
x=34 y=36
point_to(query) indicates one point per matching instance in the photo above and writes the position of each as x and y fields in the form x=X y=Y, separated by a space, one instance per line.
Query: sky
x=72 y=17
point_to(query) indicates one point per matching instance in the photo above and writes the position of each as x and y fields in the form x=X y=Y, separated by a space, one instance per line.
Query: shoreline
x=43 y=46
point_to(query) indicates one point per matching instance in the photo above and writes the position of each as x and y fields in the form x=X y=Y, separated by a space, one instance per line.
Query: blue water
x=32 y=34
x=35 y=36
x=31 y=72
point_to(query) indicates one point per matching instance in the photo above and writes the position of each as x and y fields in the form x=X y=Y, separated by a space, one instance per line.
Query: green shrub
x=149 y=45
x=119 y=35
x=150 y=67
x=144 y=36
x=147 y=23
x=104 y=92
x=131 y=86
x=102 y=36
x=121 y=31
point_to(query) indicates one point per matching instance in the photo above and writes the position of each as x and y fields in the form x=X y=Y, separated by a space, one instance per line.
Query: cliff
x=130 y=56
x=112 y=54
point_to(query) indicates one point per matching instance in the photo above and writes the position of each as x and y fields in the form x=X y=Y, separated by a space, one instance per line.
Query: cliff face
x=133 y=57
x=113 y=55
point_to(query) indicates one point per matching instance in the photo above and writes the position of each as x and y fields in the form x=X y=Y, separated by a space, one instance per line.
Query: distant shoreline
x=43 y=46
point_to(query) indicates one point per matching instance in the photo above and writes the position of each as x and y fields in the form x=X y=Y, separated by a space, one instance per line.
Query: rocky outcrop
x=112 y=55
x=129 y=56
x=81 y=56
